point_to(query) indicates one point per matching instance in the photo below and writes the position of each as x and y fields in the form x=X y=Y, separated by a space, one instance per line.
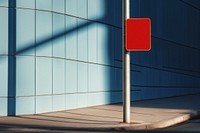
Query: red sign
x=138 y=34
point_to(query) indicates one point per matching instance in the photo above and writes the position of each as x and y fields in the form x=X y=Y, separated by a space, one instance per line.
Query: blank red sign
x=138 y=34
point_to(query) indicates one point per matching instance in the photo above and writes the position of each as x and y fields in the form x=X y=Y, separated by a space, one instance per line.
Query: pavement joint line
x=142 y=126
x=173 y=116
x=121 y=127
x=148 y=126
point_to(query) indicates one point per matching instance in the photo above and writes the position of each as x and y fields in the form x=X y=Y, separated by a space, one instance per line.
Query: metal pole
x=126 y=64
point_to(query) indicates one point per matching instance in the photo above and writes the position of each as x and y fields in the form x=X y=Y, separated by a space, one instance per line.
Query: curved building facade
x=66 y=54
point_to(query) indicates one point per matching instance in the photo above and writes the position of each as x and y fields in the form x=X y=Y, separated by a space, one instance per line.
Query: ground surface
x=154 y=113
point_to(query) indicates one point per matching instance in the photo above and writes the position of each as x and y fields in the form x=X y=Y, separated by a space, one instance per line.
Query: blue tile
x=25 y=105
x=58 y=76
x=43 y=76
x=103 y=45
x=25 y=75
x=92 y=9
x=4 y=30
x=95 y=99
x=25 y=32
x=59 y=6
x=105 y=97
x=4 y=3
x=58 y=102
x=43 y=33
x=82 y=8
x=111 y=44
x=135 y=77
x=26 y=3
x=71 y=76
x=115 y=97
x=71 y=101
x=82 y=40
x=112 y=79
x=59 y=40
x=82 y=100
x=92 y=43
x=101 y=10
x=96 y=9
x=71 y=38
x=135 y=11
x=92 y=77
x=118 y=79
x=71 y=7
x=109 y=73
x=82 y=77
x=135 y=95
x=118 y=13
x=44 y=4
x=3 y=105
x=118 y=47
x=103 y=78
x=3 y=76
x=109 y=6
x=43 y=104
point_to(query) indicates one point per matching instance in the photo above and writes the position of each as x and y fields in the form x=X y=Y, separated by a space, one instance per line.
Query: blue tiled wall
x=66 y=54
x=25 y=27
x=4 y=31
x=25 y=76
x=172 y=67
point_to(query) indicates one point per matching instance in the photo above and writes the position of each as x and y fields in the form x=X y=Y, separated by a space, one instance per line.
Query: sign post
x=126 y=64
x=136 y=36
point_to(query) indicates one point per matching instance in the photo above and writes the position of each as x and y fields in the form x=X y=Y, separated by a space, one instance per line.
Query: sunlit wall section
x=3 y=57
x=62 y=56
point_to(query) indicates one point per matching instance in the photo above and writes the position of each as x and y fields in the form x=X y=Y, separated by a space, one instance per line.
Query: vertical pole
x=126 y=63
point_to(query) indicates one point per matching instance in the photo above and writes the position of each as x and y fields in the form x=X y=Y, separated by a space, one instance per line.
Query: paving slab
x=145 y=115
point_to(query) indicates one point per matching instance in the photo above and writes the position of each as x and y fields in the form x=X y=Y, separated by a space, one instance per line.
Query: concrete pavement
x=145 y=115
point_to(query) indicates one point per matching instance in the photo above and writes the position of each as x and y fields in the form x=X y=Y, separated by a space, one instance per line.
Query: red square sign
x=138 y=34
